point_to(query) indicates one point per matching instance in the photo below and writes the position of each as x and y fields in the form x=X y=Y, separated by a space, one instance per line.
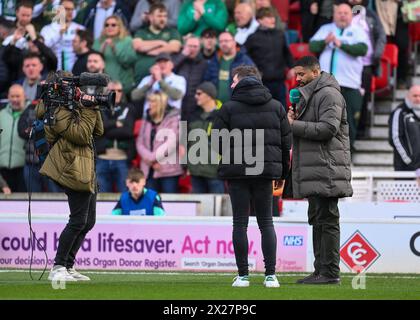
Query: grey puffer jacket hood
x=321 y=148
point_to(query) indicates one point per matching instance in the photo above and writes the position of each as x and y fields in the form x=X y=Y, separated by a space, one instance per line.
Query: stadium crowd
x=171 y=60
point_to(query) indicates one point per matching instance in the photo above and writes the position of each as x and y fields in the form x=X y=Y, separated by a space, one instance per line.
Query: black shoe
x=310 y=277
x=320 y=279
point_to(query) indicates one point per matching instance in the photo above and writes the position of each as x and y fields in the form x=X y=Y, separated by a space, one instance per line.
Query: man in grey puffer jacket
x=321 y=163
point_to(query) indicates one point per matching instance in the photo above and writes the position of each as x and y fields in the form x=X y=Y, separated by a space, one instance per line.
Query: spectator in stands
x=59 y=37
x=141 y=18
x=308 y=14
x=157 y=148
x=220 y=67
x=4 y=187
x=245 y=23
x=8 y=9
x=324 y=11
x=192 y=66
x=341 y=55
x=115 y=148
x=12 y=147
x=204 y=177
x=82 y=46
x=162 y=79
x=115 y=44
x=24 y=28
x=208 y=43
x=321 y=168
x=404 y=132
x=34 y=181
x=369 y=21
x=6 y=29
x=98 y=11
x=95 y=64
x=138 y=201
x=32 y=70
x=268 y=48
x=14 y=56
x=154 y=39
x=44 y=12
x=396 y=29
x=198 y=15
x=267 y=4
x=251 y=109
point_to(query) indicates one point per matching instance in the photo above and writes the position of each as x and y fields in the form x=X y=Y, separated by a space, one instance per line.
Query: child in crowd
x=138 y=201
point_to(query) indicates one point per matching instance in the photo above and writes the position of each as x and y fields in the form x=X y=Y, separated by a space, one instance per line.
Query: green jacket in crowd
x=12 y=147
x=203 y=121
x=321 y=147
x=215 y=17
x=119 y=62
x=71 y=160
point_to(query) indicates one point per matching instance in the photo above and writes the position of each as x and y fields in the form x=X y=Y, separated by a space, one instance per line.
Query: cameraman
x=71 y=164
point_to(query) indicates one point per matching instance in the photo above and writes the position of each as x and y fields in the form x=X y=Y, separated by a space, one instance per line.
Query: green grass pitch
x=16 y=284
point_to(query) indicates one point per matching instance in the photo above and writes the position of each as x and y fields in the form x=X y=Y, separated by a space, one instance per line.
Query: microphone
x=94 y=79
x=294 y=97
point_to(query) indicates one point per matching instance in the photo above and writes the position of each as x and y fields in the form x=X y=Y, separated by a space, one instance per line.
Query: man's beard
x=413 y=106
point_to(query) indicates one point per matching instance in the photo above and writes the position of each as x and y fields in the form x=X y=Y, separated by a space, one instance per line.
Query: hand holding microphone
x=294 y=97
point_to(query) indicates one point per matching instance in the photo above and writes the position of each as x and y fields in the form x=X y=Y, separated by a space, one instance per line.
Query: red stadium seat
x=387 y=81
x=184 y=184
x=299 y=50
x=295 y=22
x=414 y=32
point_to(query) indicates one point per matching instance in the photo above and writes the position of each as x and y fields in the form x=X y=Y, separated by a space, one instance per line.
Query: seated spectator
x=208 y=43
x=267 y=4
x=59 y=37
x=95 y=14
x=138 y=201
x=115 y=148
x=220 y=67
x=141 y=15
x=198 y=15
x=404 y=132
x=34 y=181
x=82 y=46
x=12 y=147
x=245 y=23
x=204 y=177
x=32 y=71
x=161 y=79
x=157 y=148
x=268 y=48
x=341 y=46
x=154 y=39
x=192 y=66
x=115 y=44
x=4 y=187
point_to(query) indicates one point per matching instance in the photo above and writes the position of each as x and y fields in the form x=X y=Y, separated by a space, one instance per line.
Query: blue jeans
x=110 y=172
x=207 y=185
x=38 y=182
x=162 y=185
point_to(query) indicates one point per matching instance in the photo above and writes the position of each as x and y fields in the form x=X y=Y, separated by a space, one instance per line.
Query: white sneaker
x=59 y=273
x=76 y=275
x=241 y=281
x=271 y=282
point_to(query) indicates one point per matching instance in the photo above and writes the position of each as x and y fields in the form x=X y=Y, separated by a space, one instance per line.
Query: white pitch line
x=169 y=273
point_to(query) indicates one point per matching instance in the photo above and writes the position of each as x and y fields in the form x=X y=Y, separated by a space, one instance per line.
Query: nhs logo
x=295 y=241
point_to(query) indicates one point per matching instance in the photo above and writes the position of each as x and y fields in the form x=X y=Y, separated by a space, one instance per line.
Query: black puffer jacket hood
x=251 y=91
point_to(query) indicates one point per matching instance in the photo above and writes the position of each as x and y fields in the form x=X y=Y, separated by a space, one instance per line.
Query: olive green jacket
x=71 y=160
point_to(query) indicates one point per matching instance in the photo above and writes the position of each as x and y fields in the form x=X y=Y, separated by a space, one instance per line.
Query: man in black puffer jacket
x=252 y=112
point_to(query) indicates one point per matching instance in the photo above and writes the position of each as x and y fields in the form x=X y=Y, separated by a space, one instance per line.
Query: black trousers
x=260 y=192
x=14 y=178
x=365 y=119
x=323 y=216
x=82 y=219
